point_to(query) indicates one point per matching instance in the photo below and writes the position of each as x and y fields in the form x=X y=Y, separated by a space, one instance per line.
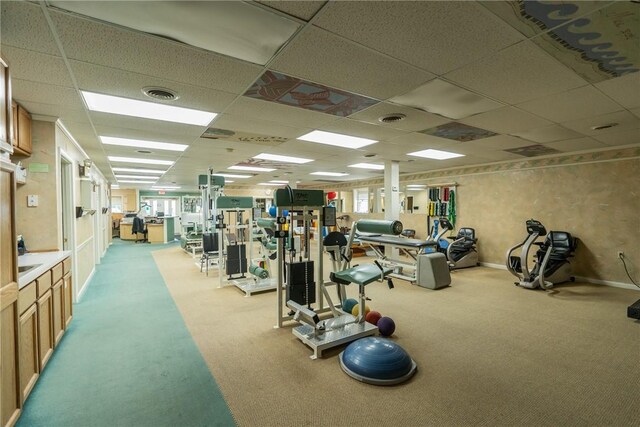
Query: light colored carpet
x=488 y=353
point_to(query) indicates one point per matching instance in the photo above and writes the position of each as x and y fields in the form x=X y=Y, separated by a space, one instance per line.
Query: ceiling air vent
x=392 y=118
x=607 y=126
x=161 y=93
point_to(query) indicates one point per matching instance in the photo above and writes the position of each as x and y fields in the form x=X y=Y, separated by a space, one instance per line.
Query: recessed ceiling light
x=251 y=168
x=329 y=173
x=278 y=158
x=141 y=161
x=136 y=170
x=125 y=142
x=145 y=109
x=435 y=154
x=367 y=166
x=131 y=181
x=165 y=187
x=233 y=175
x=268 y=183
x=276 y=181
x=336 y=139
x=416 y=186
x=137 y=177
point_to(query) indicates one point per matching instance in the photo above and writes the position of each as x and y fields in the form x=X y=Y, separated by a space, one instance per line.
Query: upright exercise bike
x=551 y=259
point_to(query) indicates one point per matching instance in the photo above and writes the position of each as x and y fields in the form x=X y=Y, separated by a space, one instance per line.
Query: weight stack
x=301 y=285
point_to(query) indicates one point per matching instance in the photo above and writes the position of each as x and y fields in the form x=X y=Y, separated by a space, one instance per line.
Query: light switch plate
x=32 y=200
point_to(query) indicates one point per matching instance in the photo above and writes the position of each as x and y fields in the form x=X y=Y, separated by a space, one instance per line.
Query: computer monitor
x=160 y=214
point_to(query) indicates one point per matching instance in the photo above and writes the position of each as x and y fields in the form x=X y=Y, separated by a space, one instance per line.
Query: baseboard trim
x=581 y=278
x=85 y=285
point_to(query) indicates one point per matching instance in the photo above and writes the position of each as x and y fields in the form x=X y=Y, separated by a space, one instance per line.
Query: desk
x=156 y=233
x=125 y=231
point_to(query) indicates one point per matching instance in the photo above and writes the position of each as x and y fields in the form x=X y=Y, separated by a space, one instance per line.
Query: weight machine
x=211 y=187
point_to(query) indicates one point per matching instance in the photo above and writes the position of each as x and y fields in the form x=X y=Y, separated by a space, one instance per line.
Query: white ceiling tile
x=274 y=112
x=625 y=120
x=624 y=90
x=363 y=130
x=42 y=93
x=506 y=120
x=325 y=58
x=578 y=144
x=100 y=79
x=517 y=74
x=619 y=138
x=116 y=47
x=23 y=25
x=635 y=112
x=300 y=9
x=60 y=111
x=29 y=65
x=548 y=134
x=496 y=156
x=415 y=119
x=446 y=99
x=419 y=141
x=260 y=127
x=501 y=142
x=436 y=36
x=573 y=104
x=115 y=150
x=107 y=120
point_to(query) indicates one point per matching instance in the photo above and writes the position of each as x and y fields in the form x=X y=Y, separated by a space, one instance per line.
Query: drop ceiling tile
x=533 y=150
x=325 y=58
x=548 y=134
x=458 y=132
x=23 y=25
x=362 y=130
x=114 y=150
x=619 y=138
x=59 y=111
x=506 y=120
x=496 y=156
x=100 y=79
x=274 y=112
x=416 y=141
x=296 y=147
x=517 y=74
x=626 y=121
x=446 y=99
x=436 y=36
x=501 y=142
x=573 y=104
x=577 y=144
x=624 y=90
x=240 y=123
x=300 y=9
x=415 y=119
x=24 y=90
x=107 y=120
x=29 y=65
x=98 y=43
x=635 y=112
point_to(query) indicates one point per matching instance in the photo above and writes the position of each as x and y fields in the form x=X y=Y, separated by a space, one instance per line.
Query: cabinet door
x=6 y=121
x=9 y=365
x=8 y=248
x=45 y=328
x=57 y=295
x=24 y=130
x=14 y=133
x=29 y=366
x=68 y=300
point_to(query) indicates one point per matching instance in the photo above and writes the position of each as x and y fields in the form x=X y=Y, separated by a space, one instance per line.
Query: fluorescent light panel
x=138 y=143
x=268 y=183
x=278 y=158
x=136 y=170
x=435 y=154
x=336 y=139
x=139 y=160
x=165 y=188
x=138 y=177
x=329 y=173
x=131 y=181
x=275 y=181
x=115 y=186
x=232 y=175
x=250 y=168
x=368 y=166
x=145 y=109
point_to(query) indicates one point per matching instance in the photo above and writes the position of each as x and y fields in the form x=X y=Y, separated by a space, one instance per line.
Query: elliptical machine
x=551 y=259
x=462 y=253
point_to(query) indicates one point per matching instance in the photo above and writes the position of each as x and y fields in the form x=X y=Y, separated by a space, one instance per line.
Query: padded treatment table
x=401 y=242
x=362 y=274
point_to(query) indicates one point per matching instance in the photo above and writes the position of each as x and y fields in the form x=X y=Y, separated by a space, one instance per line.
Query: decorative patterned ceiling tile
x=533 y=150
x=287 y=90
x=458 y=132
x=252 y=138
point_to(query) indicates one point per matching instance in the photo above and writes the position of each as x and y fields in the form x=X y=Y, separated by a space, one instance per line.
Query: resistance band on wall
x=452 y=207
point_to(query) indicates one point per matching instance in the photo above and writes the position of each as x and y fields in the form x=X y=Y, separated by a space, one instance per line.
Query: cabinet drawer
x=44 y=283
x=26 y=297
x=66 y=266
x=57 y=273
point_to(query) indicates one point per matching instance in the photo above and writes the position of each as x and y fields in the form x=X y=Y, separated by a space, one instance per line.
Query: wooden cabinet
x=45 y=328
x=68 y=299
x=29 y=366
x=10 y=400
x=57 y=320
x=21 y=132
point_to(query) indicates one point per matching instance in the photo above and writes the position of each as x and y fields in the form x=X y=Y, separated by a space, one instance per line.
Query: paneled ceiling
x=472 y=78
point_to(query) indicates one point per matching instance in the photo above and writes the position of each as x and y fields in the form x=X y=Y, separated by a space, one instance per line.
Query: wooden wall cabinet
x=45 y=329
x=57 y=321
x=29 y=366
x=68 y=299
x=21 y=131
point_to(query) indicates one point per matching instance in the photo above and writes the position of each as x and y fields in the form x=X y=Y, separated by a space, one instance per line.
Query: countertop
x=46 y=260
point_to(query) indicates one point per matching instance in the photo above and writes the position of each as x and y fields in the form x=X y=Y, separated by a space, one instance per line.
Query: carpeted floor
x=127 y=358
x=488 y=353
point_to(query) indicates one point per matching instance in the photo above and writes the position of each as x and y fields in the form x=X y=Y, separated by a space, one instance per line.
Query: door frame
x=67 y=211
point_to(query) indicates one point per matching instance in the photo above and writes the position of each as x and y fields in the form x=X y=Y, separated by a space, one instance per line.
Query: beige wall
x=129 y=199
x=40 y=225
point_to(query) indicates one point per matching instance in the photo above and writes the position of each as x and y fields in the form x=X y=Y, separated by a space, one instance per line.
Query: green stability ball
x=348 y=304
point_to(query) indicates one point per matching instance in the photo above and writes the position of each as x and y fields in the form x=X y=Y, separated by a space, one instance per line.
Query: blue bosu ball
x=378 y=361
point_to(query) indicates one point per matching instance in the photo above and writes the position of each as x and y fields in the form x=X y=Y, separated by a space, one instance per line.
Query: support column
x=377 y=201
x=391 y=197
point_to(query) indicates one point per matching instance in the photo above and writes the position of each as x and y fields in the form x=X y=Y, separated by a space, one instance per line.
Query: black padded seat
x=563 y=245
x=469 y=235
